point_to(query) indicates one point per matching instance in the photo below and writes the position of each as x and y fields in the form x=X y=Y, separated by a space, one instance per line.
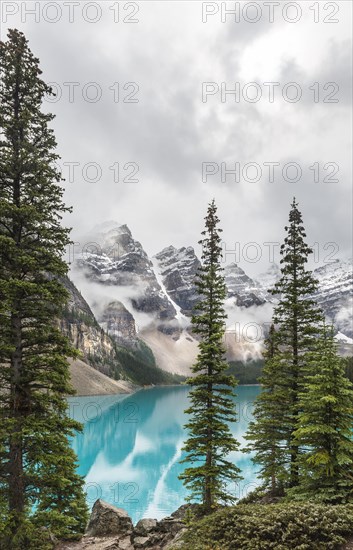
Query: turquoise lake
x=130 y=448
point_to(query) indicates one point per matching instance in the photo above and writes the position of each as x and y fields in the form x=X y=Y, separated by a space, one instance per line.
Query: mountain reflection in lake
x=130 y=448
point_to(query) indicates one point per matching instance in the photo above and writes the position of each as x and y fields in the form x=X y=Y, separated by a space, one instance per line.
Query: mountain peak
x=106 y=226
x=168 y=250
x=233 y=267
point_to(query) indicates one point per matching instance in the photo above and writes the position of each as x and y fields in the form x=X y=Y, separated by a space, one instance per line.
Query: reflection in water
x=130 y=449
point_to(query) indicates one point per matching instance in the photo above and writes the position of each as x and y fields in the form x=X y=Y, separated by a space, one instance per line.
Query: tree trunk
x=208 y=499
x=293 y=447
x=15 y=466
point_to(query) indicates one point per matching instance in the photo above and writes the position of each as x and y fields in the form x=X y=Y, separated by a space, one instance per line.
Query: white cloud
x=170 y=132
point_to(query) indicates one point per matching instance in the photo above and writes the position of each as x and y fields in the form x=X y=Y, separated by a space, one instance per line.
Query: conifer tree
x=267 y=432
x=325 y=425
x=212 y=407
x=38 y=482
x=296 y=318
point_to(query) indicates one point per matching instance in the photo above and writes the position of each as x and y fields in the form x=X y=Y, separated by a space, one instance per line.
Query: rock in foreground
x=108 y=520
x=111 y=528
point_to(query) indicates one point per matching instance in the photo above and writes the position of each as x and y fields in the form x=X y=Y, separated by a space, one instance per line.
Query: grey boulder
x=107 y=520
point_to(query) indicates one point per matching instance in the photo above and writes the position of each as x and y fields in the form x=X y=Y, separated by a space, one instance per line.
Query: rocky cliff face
x=115 y=259
x=241 y=287
x=178 y=268
x=113 y=347
x=81 y=327
x=118 y=322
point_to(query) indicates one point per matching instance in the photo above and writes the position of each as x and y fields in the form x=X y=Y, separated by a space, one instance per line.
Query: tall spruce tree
x=38 y=482
x=296 y=318
x=212 y=407
x=325 y=425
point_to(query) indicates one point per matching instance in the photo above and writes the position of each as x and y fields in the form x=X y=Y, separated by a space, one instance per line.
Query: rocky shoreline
x=111 y=528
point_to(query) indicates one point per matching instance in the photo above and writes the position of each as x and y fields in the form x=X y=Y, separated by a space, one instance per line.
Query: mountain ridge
x=158 y=294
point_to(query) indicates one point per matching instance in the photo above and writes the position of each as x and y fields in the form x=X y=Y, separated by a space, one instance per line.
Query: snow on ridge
x=343 y=338
x=181 y=318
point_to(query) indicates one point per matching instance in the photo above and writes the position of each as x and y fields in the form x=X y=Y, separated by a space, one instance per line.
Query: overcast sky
x=173 y=129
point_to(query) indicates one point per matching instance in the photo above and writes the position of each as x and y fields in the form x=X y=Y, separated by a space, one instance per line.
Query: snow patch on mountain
x=241 y=287
x=178 y=269
x=343 y=338
x=182 y=319
x=335 y=294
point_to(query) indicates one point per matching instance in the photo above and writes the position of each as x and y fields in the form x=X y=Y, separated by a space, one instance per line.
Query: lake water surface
x=130 y=448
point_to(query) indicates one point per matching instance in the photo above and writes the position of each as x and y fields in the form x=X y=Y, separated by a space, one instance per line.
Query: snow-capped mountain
x=335 y=294
x=240 y=286
x=152 y=298
x=113 y=258
x=178 y=268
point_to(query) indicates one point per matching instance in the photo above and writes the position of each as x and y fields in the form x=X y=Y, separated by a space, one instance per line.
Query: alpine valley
x=134 y=328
